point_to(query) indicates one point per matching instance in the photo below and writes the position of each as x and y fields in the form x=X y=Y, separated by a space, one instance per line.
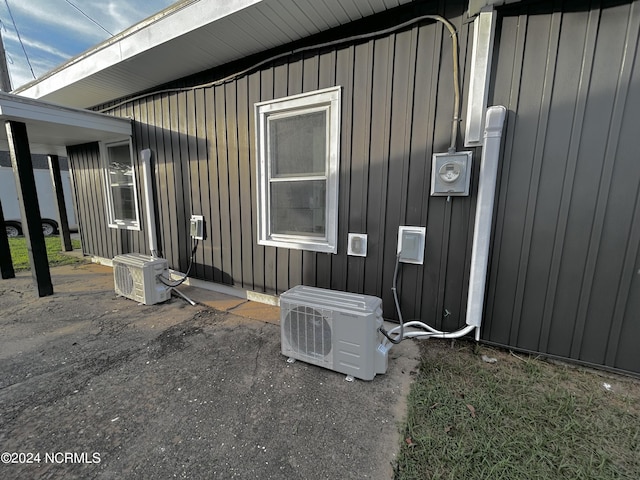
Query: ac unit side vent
x=135 y=276
x=307 y=334
x=334 y=330
x=123 y=279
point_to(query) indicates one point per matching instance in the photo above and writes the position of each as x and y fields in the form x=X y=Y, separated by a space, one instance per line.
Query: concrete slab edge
x=214 y=287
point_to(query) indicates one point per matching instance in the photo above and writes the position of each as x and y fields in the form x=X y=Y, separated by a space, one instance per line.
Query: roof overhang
x=476 y=6
x=51 y=128
x=187 y=38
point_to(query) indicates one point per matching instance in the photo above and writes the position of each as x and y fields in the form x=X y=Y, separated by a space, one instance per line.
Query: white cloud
x=57 y=15
x=119 y=15
x=44 y=48
x=19 y=70
x=19 y=73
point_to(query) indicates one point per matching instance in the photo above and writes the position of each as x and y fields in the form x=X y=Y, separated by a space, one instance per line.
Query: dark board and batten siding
x=89 y=192
x=564 y=275
x=396 y=112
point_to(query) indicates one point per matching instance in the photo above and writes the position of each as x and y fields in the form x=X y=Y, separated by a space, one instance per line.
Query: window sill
x=300 y=245
x=125 y=226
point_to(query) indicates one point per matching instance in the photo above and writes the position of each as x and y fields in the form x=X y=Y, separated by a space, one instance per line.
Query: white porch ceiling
x=187 y=38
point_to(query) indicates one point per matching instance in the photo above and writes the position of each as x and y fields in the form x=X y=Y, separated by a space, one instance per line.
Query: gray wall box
x=451 y=174
x=357 y=244
x=411 y=242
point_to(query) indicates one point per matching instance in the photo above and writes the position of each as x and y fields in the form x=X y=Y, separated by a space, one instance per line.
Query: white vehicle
x=48 y=212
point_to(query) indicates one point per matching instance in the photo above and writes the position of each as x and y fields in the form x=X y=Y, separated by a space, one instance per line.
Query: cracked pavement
x=175 y=391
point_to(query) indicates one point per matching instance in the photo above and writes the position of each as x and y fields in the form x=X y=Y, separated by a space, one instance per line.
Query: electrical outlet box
x=197 y=227
x=357 y=245
x=411 y=242
x=450 y=174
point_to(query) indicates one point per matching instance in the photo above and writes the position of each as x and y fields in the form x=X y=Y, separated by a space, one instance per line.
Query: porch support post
x=28 y=200
x=6 y=264
x=56 y=181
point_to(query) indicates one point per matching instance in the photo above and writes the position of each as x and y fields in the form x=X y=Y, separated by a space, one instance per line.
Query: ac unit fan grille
x=308 y=332
x=124 y=279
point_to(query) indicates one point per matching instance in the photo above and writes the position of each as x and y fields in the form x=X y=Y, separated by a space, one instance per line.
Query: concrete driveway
x=96 y=386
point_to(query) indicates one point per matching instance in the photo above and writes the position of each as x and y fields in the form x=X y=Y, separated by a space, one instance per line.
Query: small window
x=120 y=180
x=298 y=144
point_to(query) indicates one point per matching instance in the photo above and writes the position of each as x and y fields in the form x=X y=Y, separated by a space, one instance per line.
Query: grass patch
x=20 y=255
x=519 y=418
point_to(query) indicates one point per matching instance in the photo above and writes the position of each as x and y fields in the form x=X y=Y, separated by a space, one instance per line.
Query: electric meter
x=450 y=174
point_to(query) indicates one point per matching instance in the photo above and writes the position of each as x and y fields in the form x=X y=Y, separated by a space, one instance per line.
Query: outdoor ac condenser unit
x=335 y=330
x=135 y=277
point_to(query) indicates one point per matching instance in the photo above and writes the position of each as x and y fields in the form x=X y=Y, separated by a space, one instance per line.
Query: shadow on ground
x=100 y=387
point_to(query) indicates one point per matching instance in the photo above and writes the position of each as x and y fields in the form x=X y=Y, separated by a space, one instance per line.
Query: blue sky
x=53 y=31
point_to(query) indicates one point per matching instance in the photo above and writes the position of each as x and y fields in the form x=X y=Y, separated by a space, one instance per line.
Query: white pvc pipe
x=416 y=323
x=148 y=202
x=432 y=331
x=449 y=335
x=484 y=215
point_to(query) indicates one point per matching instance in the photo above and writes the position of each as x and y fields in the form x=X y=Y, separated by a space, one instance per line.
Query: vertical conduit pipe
x=148 y=202
x=484 y=215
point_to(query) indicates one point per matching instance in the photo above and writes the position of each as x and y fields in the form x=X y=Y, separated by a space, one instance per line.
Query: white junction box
x=196 y=227
x=357 y=244
x=411 y=242
x=451 y=174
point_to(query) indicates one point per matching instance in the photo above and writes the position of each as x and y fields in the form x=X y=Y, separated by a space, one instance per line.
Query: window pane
x=298 y=144
x=123 y=203
x=120 y=168
x=298 y=208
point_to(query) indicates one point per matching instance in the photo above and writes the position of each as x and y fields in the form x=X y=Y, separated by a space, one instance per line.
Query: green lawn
x=517 y=418
x=20 y=256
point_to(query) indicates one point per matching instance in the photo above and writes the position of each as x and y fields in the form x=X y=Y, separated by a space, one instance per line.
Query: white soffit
x=51 y=128
x=187 y=38
x=476 y=6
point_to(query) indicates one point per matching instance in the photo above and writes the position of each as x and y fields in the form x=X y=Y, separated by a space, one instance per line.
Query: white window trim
x=327 y=99
x=111 y=217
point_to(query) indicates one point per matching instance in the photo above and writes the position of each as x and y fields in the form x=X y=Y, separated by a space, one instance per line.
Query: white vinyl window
x=120 y=184
x=298 y=140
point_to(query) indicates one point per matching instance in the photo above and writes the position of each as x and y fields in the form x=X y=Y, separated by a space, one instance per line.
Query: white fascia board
x=69 y=73
x=196 y=15
x=138 y=39
x=51 y=127
x=24 y=111
x=65 y=118
x=37 y=148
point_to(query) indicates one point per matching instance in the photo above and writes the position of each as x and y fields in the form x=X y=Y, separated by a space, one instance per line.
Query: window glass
x=124 y=206
x=298 y=207
x=298 y=142
x=121 y=186
x=120 y=168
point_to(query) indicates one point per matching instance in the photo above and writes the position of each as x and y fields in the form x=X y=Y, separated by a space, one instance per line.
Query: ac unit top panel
x=330 y=299
x=138 y=260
